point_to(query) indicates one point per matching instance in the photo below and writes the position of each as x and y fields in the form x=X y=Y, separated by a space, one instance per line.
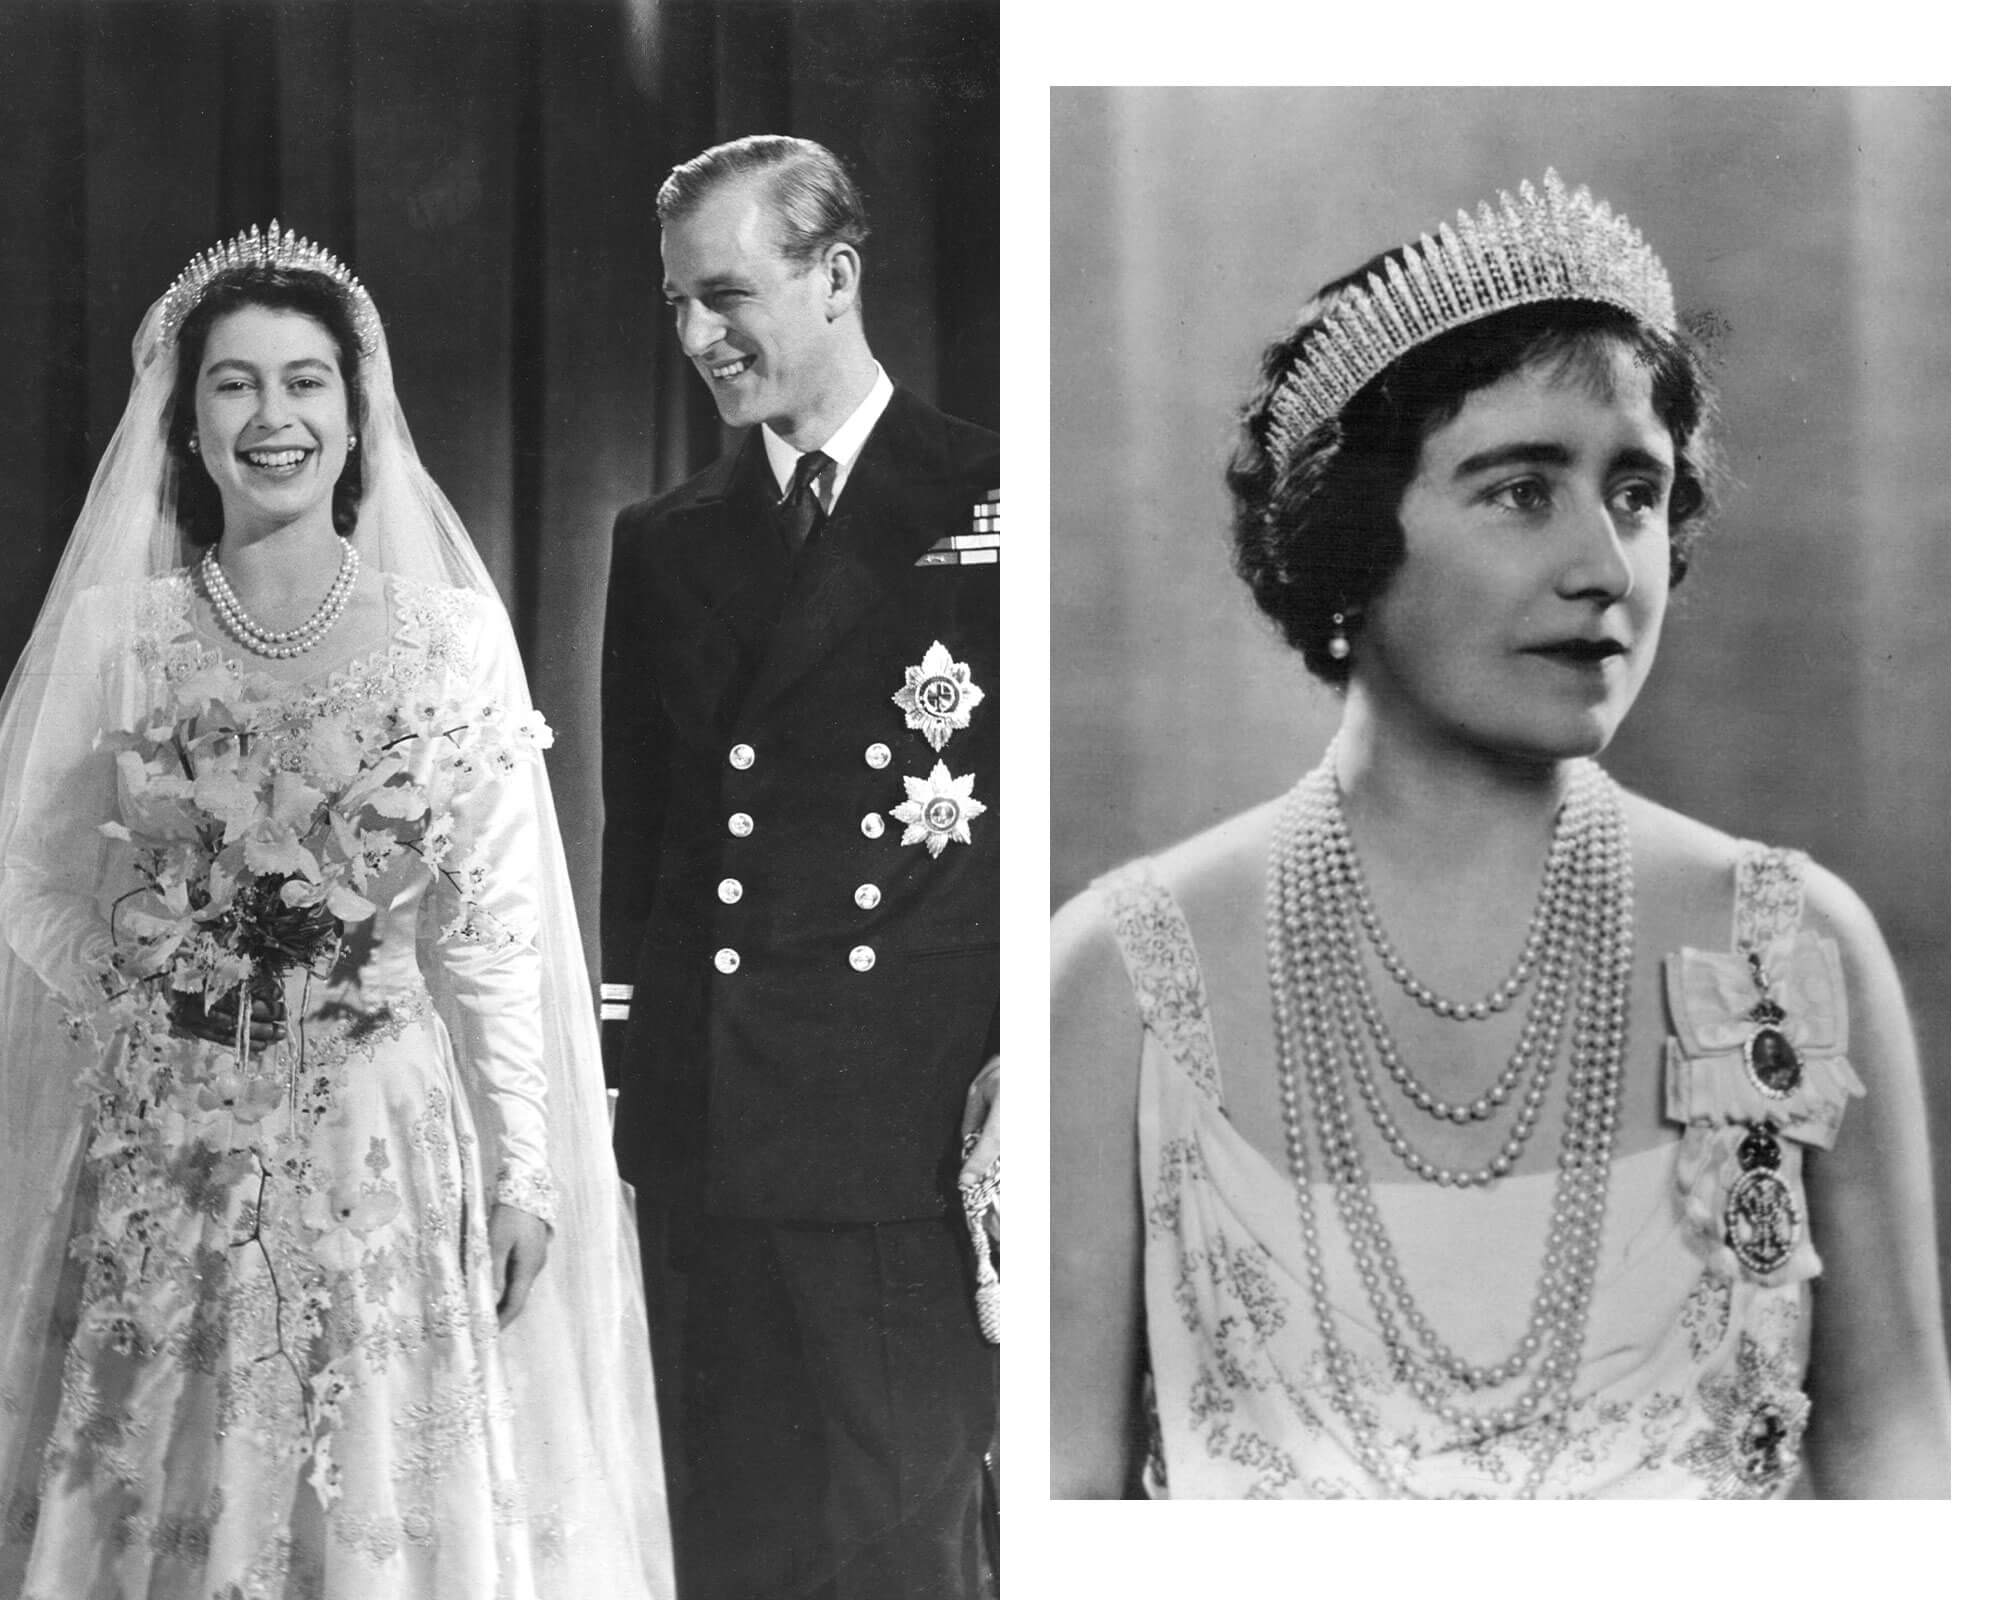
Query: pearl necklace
x=1344 y=1003
x=1499 y=998
x=1537 y=1047
x=265 y=641
x=1312 y=952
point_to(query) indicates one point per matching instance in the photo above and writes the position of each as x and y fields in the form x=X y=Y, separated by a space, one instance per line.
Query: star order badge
x=938 y=696
x=938 y=810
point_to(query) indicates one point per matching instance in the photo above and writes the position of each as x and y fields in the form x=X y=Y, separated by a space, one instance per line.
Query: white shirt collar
x=844 y=446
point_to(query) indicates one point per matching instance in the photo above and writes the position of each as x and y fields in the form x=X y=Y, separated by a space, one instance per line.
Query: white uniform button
x=861 y=957
x=729 y=891
x=871 y=825
x=727 y=960
x=742 y=757
x=877 y=756
x=740 y=824
x=868 y=897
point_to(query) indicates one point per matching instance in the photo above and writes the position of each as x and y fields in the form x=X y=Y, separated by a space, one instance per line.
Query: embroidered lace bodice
x=1691 y=1380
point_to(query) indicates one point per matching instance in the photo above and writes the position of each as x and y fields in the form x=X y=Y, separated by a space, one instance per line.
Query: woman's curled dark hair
x=197 y=502
x=1321 y=534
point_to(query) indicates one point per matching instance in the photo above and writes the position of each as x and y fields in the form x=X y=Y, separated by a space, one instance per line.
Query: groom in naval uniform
x=801 y=890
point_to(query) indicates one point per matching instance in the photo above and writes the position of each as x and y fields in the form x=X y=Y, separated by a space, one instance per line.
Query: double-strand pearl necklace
x=1315 y=976
x=274 y=644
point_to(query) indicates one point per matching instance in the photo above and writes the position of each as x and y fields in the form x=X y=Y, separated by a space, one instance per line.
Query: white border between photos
x=1058 y=1550
x=1024 y=895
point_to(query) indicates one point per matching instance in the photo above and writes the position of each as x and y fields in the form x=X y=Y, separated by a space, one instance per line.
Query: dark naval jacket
x=798 y=881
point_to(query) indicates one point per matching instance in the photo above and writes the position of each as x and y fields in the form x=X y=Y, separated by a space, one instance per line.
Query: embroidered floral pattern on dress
x=433 y=630
x=282 y=1273
x=157 y=1240
x=160 y=622
x=529 y=1188
x=1246 y=1273
x=439 y=620
x=1770 y=895
x=379 y=1538
x=1240 y=1398
x=184 y=1538
x=1179 y=1166
x=1757 y=1068
x=1705 y=1315
x=1756 y=1415
x=1166 y=976
x=433 y=1433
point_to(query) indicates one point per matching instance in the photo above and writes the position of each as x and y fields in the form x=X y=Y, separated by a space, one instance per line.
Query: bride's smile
x=272 y=416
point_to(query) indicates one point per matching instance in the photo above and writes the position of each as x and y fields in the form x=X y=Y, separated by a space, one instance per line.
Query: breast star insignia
x=938 y=810
x=938 y=696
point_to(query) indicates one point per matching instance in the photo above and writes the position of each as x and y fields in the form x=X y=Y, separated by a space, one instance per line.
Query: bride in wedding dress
x=319 y=1278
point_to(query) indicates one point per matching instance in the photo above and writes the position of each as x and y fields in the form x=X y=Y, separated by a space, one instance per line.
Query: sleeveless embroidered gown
x=1691 y=1380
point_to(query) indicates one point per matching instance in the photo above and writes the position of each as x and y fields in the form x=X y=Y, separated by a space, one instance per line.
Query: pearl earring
x=194 y=444
x=1337 y=647
x=353 y=442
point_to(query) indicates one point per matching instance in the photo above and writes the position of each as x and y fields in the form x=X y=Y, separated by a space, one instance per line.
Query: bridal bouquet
x=258 y=820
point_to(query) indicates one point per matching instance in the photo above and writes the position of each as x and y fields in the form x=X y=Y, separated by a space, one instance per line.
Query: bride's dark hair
x=1320 y=533
x=197 y=502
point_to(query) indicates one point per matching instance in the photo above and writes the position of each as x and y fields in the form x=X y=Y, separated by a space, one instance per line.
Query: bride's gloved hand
x=520 y=1242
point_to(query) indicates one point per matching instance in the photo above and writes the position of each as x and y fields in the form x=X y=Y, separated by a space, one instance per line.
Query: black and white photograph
x=1500 y=793
x=499 y=841
x=504 y=943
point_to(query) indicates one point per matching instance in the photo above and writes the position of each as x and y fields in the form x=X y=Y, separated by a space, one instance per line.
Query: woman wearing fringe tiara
x=318 y=1279
x=1460 y=1123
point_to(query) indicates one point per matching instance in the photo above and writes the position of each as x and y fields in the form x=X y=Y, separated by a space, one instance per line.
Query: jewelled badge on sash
x=1760 y=1218
x=1768 y=1056
x=938 y=696
x=937 y=810
x=1757 y=1073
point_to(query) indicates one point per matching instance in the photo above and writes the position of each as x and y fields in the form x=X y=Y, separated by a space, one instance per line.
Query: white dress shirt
x=843 y=447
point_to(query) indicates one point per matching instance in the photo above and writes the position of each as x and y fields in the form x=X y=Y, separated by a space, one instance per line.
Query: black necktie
x=800 y=513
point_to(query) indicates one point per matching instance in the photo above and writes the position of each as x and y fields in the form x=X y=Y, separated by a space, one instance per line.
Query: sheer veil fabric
x=577 y=1365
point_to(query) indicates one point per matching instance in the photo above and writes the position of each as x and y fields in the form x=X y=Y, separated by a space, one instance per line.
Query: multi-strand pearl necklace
x=1534 y=1055
x=1554 y=875
x=277 y=645
x=1326 y=1022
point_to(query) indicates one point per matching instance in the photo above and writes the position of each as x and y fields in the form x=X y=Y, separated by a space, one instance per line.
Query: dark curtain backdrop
x=1801 y=695
x=488 y=169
